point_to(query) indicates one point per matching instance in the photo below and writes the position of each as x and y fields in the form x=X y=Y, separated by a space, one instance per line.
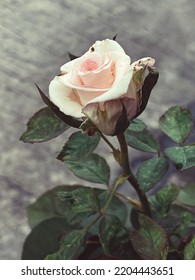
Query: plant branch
x=108 y=142
x=134 y=202
x=93 y=223
x=103 y=210
x=131 y=178
x=143 y=198
x=117 y=182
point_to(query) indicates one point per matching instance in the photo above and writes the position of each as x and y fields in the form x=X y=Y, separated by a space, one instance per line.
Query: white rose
x=101 y=85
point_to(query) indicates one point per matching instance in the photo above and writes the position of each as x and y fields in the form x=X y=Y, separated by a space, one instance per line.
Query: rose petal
x=67 y=67
x=123 y=74
x=131 y=106
x=95 y=57
x=92 y=80
x=106 y=46
x=106 y=116
x=80 y=63
x=118 y=89
x=102 y=78
x=64 y=98
x=122 y=64
x=138 y=77
x=66 y=80
x=105 y=120
x=86 y=96
x=132 y=90
x=102 y=47
x=138 y=64
x=83 y=75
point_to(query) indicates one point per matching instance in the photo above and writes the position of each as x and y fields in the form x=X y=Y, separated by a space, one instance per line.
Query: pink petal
x=102 y=78
x=118 y=89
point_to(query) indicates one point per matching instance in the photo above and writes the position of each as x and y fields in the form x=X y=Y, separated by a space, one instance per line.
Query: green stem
x=143 y=198
x=131 y=178
x=93 y=223
x=112 y=192
x=123 y=160
x=135 y=203
x=103 y=210
x=124 y=154
x=108 y=142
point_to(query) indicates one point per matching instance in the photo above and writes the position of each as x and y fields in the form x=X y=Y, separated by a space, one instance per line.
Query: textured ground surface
x=35 y=37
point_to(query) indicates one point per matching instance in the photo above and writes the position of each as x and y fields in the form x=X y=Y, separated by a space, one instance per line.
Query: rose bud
x=101 y=86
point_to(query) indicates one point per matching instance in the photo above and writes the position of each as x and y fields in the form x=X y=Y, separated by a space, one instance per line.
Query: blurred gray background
x=35 y=38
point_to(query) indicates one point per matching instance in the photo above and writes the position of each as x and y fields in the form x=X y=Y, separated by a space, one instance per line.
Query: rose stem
x=108 y=142
x=131 y=178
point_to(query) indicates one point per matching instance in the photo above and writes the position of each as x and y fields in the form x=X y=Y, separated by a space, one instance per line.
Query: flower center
x=89 y=65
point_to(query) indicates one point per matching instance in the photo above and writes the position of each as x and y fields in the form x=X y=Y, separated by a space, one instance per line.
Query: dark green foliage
x=71 y=246
x=150 y=172
x=182 y=157
x=44 y=238
x=150 y=240
x=48 y=205
x=176 y=122
x=189 y=251
x=43 y=126
x=93 y=168
x=136 y=125
x=142 y=140
x=78 y=146
x=115 y=238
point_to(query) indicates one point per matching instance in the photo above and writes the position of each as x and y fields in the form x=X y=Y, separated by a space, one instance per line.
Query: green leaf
x=82 y=199
x=169 y=223
x=150 y=241
x=84 y=205
x=116 y=206
x=136 y=125
x=93 y=168
x=44 y=239
x=185 y=216
x=182 y=157
x=70 y=247
x=83 y=202
x=150 y=172
x=78 y=146
x=49 y=205
x=165 y=197
x=189 y=250
x=75 y=203
x=142 y=140
x=43 y=126
x=187 y=195
x=115 y=238
x=161 y=202
x=177 y=123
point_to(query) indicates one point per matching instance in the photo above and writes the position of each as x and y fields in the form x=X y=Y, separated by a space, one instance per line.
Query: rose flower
x=101 y=86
